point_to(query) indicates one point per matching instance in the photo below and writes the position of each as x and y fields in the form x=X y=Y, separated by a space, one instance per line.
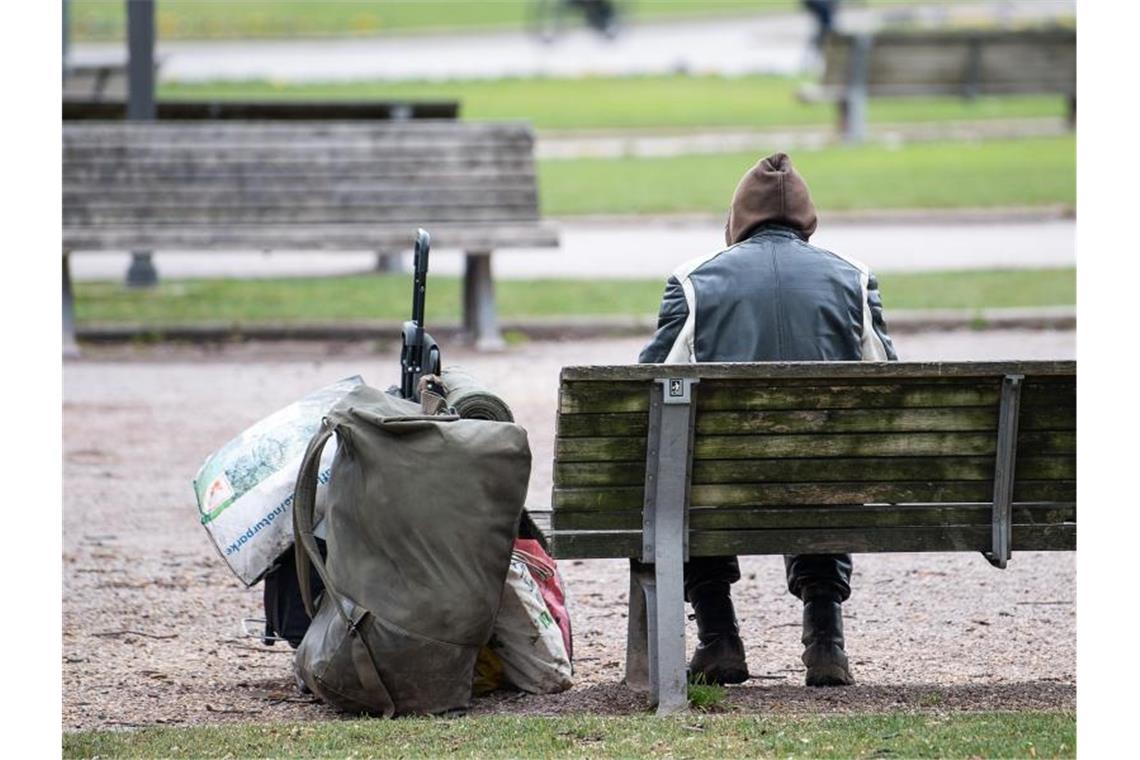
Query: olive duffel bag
x=422 y=512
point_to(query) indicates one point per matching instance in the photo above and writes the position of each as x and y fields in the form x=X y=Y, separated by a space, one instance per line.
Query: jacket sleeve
x=877 y=345
x=671 y=318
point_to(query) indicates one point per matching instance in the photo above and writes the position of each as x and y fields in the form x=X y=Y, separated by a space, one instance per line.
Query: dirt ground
x=151 y=615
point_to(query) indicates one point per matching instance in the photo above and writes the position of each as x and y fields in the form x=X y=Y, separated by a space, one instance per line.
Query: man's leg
x=823 y=583
x=719 y=656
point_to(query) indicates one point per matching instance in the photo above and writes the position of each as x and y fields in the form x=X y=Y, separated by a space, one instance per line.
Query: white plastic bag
x=526 y=639
x=245 y=488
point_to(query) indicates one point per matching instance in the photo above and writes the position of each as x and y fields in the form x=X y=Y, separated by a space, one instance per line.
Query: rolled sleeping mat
x=471 y=399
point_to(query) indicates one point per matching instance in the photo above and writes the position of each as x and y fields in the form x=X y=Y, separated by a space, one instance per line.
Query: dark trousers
x=828 y=573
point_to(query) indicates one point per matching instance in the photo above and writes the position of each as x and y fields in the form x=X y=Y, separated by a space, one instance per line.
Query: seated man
x=770 y=296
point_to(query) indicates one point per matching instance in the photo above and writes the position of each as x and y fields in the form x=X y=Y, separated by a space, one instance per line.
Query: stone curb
x=558 y=328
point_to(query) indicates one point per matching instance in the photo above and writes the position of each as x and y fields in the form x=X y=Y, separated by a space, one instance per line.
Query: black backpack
x=285 y=616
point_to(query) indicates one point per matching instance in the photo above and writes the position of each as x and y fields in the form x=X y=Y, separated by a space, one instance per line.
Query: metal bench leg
x=480 y=321
x=854 y=112
x=665 y=537
x=389 y=262
x=70 y=346
x=141 y=273
x=637 y=660
x=667 y=636
x=1004 y=470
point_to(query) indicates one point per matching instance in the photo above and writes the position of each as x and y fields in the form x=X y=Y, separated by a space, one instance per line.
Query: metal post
x=70 y=346
x=637 y=660
x=972 y=85
x=664 y=537
x=480 y=321
x=1004 y=466
x=855 y=106
x=66 y=35
x=140 y=107
x=389 y=262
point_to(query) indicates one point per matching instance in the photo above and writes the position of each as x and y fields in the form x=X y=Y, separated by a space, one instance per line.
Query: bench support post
x=389 y=262
x=853 y=108
x=141 y=273
x=70 y=346
x=141 y=107
x=1004 y=466
x=642 y=608
x=665 y=542
x=480 y=321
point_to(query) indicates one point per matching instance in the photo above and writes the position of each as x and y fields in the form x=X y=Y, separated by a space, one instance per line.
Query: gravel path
x=151 y=615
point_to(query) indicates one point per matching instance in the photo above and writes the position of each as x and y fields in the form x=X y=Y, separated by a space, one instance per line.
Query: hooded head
x=772 y=192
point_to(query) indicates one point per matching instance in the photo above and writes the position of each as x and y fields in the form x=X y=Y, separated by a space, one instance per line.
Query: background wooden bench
x=661 y=462
x=104 y=109
x=305 y=186
x=967 y=63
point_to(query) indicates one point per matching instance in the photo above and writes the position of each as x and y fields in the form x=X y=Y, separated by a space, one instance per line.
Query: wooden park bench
x=967 y=63
x=658 y=463
x=304 y=186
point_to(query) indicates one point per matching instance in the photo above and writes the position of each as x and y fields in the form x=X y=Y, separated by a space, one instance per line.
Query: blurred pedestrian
x=601 y=15
x=824 y=12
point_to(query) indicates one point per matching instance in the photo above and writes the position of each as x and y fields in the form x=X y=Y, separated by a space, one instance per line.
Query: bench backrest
x=958 y=62
x=820 y=457
x=299 y=185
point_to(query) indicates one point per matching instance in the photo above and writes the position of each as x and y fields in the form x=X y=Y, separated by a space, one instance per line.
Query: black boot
x=719 y=657
x=823 y=641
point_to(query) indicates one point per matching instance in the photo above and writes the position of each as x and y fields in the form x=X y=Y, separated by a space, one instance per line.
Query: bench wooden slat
x=813 y=494
x=790 y=372
x=299 y=215
x=805 y=470
x=312 y=237
x=824 y=517
x=105 y=110
x=823 y=445
x=117 y=131
x=972 y=538
x=837 y=421
x=617 y=397
x=361 y=191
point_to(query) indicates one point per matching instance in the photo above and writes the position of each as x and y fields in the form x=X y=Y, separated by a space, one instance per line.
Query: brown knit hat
x=772 y=192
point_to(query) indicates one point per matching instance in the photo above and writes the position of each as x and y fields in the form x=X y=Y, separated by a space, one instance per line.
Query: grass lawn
x=638 y=102
x=918 y=175
x=227 y=19
x=695 y=735
x=386 y=297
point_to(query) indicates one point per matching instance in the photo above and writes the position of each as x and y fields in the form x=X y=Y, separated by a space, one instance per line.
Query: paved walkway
x=653 y=247
x=763 y=43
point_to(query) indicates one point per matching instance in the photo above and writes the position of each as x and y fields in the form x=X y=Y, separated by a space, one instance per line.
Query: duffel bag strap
x=304 y=505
